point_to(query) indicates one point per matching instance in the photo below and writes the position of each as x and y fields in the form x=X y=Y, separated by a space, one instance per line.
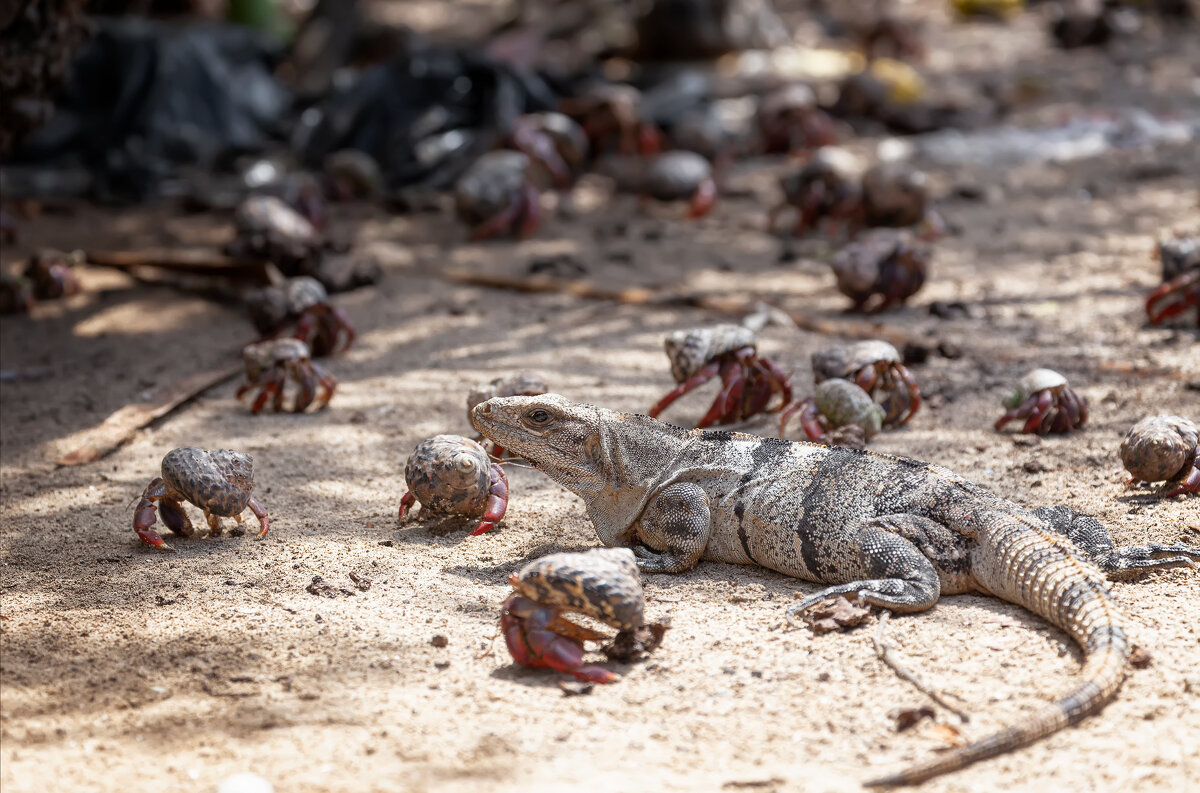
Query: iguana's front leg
x=894 y=553
x=1090 y=535
x=676 y=524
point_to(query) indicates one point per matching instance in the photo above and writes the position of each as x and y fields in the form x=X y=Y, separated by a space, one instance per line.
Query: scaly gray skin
x=898 y=533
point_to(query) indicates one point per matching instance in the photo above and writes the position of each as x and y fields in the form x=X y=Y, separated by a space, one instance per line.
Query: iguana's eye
x=538 y=416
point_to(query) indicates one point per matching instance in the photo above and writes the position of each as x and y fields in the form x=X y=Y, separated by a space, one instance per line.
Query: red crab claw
x=703 y=199
x=145 y=515
x=260 y=512
x=532 y=642
x=497 y=503
x=732 y=384
x=1041 y=411
x=779 y=380
x=1179 y=303
x=1190 y=484
x=810 y=420
x=407 y=501
x=787 y=413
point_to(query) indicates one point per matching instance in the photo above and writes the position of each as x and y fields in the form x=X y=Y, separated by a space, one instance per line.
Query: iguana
x=894 y=532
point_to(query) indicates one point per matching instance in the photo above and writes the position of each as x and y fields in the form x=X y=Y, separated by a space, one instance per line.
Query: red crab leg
x=328 y=386
x=810 y=420
x=272 y=386
x=1177 y=305
x=407 y=501
x=1017 y=412
x=336 y=324
x=703 y=199
x=260 y=512
x=731 y=376
x=306 y=378
x=531 y=211
x=1044 y=404
x=650 y=140
x=501 y=222
x=778 y=379
x=908 y=384
x=145 y=515
x=1192 y=483
x=695 y=381
x=497 y=503
x=758 y=393
x=532 y=643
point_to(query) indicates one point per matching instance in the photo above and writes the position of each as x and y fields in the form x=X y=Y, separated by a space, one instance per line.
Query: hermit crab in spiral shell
x=603 y=584
x=453 y=475
x=219 y=482
x=877 y=368
x=749 y=382
x=1164 y=449
x=1180 y=288
x=1047 y=403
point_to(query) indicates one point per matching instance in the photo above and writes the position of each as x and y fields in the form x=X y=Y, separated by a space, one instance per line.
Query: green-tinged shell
x=602 y=583
x=1159 y=448
x=1030 y=384
x=843 y=402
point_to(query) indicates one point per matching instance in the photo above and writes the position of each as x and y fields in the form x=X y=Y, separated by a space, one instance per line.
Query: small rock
x=361 y=582
x=575 y=688
x=1026 y=440
x=1033 y=466
x=439 y=640
x=907 y=718
x=441 y=664
x=948 y=349
x=245 y=782
x=1139 y=657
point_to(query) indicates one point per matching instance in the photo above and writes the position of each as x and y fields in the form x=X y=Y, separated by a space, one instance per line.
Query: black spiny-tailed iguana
x=897 y=533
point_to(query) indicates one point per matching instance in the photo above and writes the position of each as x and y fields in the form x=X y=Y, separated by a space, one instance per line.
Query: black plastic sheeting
x=144 y=98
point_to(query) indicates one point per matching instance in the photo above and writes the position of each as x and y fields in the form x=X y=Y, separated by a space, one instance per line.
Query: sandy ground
x=125 y=669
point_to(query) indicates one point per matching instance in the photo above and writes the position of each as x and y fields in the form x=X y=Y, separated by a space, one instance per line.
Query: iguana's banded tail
x=1051 y=577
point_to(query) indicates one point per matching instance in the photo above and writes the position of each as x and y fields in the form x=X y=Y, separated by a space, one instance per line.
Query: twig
x=885 y=653
x=124 y=423
x=194 y=261
x=736 y=305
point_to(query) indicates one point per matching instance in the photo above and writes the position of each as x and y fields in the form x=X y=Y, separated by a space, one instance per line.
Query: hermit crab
x=789 y=120
x=319 y=324
x=748 y=381
x=827 y=188
x=520 y=384
x=876 y=367
x=881 y=269
x=272 y=364
x=53 y=275
x=219 y=482
x=496 y=197
x=602 y=583
x=1046 y=402
x=268 y=228
x=840 y=412
x=453 y=475
x=553 y=142
x=681 y=175
x=1180 y=289
x=1164 y=449
x=611 y=117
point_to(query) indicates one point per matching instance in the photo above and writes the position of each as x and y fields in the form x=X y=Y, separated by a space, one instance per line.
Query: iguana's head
x=560 y=437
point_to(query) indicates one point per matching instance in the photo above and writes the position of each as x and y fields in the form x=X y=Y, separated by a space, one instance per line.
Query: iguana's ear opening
x=592 y=449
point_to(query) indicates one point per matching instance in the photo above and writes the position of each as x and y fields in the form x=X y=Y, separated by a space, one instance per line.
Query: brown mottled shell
x=520 y=384
x=1158 y=448
x=490 y=185
x=675 y=175
x=449 y=473
x=264 y=355
x=602 y=583
x=843 y=360
x=690 y=350
x=220 y=481
x=843 y=402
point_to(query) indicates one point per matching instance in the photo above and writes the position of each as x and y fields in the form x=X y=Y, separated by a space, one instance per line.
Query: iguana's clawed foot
x=1131 y=559
x=649 y=561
